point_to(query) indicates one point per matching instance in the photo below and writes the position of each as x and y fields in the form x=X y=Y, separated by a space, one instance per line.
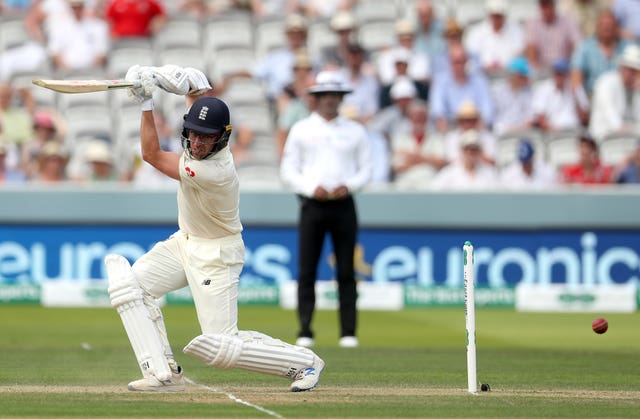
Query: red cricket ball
x=600 y=325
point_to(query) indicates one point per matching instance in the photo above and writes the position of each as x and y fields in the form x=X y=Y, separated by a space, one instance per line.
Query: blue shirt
x=630 y=174
x=447 y=95
x=589 y=59
x=628 y=14
x=276 y=69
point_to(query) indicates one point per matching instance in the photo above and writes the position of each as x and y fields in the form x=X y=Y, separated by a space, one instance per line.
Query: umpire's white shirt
x=326 y=153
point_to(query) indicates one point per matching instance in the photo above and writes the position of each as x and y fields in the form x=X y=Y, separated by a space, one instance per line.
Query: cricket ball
x=485 y=387
x=600 y=325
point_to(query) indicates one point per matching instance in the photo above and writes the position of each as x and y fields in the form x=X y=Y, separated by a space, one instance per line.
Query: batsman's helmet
x=208 y=115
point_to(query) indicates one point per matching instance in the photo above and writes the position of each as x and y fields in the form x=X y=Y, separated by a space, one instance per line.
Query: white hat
x=98 y=151
x=330 y=82
x=405 y=27
x=401 y=54
x=343 y=20
x=403 y=88
x=497 y=7
x=630 y=57
x=295 y=22
x=470 y=138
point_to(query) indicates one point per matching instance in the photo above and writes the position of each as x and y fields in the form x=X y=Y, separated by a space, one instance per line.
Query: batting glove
x=172 y=79
x=198 y=82
x=143 y=77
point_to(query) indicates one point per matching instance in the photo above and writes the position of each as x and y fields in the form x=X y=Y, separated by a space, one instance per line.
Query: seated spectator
x=556 y=105
x=45 y=130
x=135 y=18
x=364 y=96
x=403 y=92
x=468 y=119
x=15 y=119
x=418 y=64
x=416 y=156
x=616 y=97
x=469 y=172
x=450 y=89
x=7 y=174
x=402 y=58
x=453 y=34
x=584 y=12
x=275 y=69
x=628 y=14
x=598 y=53
x=528 y=172
x=589 y=169
x=496 y=40
x=429 y=32
x=629 y=171
x=99 y=156
x=343 y=24
x=323 y=8
x=52 y=164
x=512 y=99
x=550 y=37
x=82 y=43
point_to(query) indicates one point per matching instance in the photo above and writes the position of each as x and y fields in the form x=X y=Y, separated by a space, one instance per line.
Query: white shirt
x=453 y=147
x=419 y=67
x=79 y=43
x=609 y=105
x=364 y=96
x=419 y=175
x=326 y=153
x=455 y=177
x=493 y=47
x=209 y=196
x=558 y=106
x=514 y=177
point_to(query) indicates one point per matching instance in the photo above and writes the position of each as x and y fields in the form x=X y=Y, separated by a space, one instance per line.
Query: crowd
x=498 y=102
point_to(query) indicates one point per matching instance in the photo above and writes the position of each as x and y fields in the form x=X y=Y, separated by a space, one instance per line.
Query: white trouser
x=211 y=268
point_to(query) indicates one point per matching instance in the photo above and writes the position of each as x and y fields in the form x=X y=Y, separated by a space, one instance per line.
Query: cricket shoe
x=307 y=379
x=151 y=383
x=305 y=342
x=348 y=342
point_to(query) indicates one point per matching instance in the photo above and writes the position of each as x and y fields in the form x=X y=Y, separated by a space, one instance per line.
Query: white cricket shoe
x=348 y=342
x=305 y=342
x=307 y=379
x=151 y=383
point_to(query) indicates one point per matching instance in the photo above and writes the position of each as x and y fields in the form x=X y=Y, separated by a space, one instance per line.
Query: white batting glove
x=144 y=77
x=172 y=79
x=198 y=82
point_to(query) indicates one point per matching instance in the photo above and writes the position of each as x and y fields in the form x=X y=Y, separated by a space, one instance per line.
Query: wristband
x=147 y=105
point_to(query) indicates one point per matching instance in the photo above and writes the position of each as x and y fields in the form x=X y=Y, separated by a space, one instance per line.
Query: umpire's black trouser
x=340 y=220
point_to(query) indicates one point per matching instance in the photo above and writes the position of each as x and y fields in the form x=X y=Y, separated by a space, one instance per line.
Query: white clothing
x=364 y=96
x=514 y=177
x=455 y=177
x=609 y=106
x=453 y=147
x=326 y=153
x=495 y=47
x=419 y=66
x=557 y=106
x=79 y=43
x=419 y=175
x=209 y=197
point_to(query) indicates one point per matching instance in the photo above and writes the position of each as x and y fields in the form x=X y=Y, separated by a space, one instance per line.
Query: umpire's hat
x=330 y=82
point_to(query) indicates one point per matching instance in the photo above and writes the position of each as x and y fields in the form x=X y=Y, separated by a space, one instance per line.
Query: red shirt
x=574 y=173
x=132 y=17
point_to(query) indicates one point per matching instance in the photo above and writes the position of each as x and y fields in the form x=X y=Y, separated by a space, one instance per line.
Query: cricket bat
x=83 y=86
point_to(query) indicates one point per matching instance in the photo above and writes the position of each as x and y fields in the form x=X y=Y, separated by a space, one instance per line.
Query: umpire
x=326 y=159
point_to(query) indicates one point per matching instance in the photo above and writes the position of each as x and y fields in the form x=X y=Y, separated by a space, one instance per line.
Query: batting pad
x=127 y=298
x=251 y=351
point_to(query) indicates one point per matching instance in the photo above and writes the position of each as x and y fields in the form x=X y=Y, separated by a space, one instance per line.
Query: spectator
x=512 y=98
x=550 y=37
x=135 y=18
x=402 y=59
x=419 y=66
x=15 y=120
x=496 y=40
x=343 y=24
x=429 y=39
x=99 y=156
x=82 y=43
x=589 y=169
x=598 y=53
x=45 y=130
x=584 y=12
x=7 y=174
x=469 y=172
x=440 y=64
x=451 y=88
x=269 y=8
x=468 y=119
x=527 y=172
x=556 y=106
x=416 y=155
x=402 y=92
x=628 y=14
x=275 y=69
x=630 y=168
x=616 y=97
x=323 y=8
x=52 y=164
x=14 y=7
x=364 y=97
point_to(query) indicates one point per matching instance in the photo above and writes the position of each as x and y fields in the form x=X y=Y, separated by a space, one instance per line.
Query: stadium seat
x=229 y=61
x=562 y=150
x=12 y=33
x=231 y=33
x=269 y=35
x=320 y=36
x=507 y=147
x=121 y=58
x=244 y=91
x=375 y=11
x=614 y=149
x=178 y=32
x=374 y=36
x=185 y=56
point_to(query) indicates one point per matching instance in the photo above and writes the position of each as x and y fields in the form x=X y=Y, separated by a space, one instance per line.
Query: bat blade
x=82 y=86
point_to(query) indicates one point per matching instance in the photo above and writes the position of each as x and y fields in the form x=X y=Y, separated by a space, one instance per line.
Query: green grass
x=411 y=363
